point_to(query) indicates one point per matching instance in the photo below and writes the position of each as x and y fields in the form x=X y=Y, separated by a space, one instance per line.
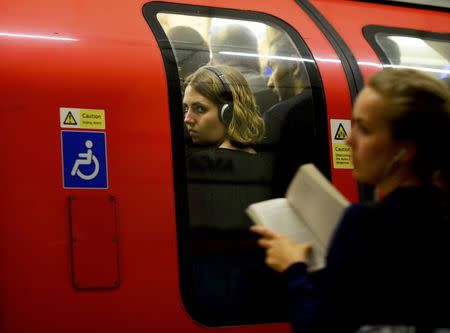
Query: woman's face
x=201 y=117
x=373 y=148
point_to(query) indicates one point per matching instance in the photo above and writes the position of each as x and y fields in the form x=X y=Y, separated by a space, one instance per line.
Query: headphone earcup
x=226 y=114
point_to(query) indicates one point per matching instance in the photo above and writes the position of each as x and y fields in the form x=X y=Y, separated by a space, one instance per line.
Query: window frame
x=150 y=12
x=370 y=32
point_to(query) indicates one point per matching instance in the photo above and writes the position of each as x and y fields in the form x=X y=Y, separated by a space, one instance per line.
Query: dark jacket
x=387 y=265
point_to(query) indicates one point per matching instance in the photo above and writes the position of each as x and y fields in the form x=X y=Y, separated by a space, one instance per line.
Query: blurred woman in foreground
x=387 y=262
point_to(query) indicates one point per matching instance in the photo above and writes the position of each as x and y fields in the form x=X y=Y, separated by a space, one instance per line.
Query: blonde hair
x=418 y=111
x=246 y=126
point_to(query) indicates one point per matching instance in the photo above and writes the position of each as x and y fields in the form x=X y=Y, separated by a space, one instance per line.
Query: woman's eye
x=360 y=127
x=363 y=129
x=200 y=109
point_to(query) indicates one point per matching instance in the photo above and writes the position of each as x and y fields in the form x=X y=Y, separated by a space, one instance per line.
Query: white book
x=309 y=212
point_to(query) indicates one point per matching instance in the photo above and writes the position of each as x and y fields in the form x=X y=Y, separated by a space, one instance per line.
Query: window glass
x=249 y=122
x=408 y=51
x=249 y=46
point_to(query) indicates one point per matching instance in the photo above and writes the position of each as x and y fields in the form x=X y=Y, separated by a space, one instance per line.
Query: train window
x=264 y=70
x=405 y=48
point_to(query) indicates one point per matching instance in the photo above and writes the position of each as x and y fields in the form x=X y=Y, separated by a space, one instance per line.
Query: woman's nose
x=188 y=118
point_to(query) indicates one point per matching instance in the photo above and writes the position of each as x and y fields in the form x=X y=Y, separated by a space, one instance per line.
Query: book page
x=317 y=201
x=278 y=216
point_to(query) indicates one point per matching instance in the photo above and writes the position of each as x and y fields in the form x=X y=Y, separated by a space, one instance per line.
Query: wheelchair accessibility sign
x=84 y=159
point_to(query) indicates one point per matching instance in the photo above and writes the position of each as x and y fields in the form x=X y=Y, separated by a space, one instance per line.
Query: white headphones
x=398 y=156
x=394 y=160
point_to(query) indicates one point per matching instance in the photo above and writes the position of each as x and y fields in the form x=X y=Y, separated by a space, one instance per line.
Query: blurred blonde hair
x=418 y=112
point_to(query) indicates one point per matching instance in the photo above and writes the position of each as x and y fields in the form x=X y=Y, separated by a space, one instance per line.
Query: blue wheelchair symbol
x=84 y=159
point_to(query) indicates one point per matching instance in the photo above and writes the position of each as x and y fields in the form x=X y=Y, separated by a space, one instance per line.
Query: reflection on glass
x=429 y=55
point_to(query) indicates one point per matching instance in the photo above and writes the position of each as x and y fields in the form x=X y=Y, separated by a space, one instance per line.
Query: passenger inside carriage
x=220 y=112
x=236 y=45
x=226 y=268
x=191 y=52
x=290 y=124
x=190 y=49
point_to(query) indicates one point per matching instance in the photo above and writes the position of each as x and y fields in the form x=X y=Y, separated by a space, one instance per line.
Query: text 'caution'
x=82 y=118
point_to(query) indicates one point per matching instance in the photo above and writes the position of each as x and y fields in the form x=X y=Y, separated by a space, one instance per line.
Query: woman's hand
x=281 y=252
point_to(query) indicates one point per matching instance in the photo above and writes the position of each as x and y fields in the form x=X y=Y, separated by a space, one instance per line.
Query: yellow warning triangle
x=341 y=134
x=70 y=120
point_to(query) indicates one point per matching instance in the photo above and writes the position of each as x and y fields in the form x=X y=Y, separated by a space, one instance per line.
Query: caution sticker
x=342 y=153
x=82 y=118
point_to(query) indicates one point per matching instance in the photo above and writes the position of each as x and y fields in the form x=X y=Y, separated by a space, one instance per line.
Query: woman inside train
x=220 y=113
x=386 y=265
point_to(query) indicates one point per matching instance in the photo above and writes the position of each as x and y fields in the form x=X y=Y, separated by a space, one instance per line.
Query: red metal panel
x=94 y=241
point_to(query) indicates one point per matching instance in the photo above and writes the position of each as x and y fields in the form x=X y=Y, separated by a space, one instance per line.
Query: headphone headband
x=227 y=89
x=226 y=110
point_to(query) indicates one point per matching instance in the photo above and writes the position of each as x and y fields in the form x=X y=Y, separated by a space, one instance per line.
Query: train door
x=295 y=74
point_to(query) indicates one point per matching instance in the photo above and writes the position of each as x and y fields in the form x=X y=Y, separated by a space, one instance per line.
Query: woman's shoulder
x=402 y=199
x=224 y=154
x=411 y=203
x=357 y=212
x=229 y=163
x=404 y=206
x=410 y=195
x=358 y=222
x=201 y=160
x=365 y=215
x=249 y=165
